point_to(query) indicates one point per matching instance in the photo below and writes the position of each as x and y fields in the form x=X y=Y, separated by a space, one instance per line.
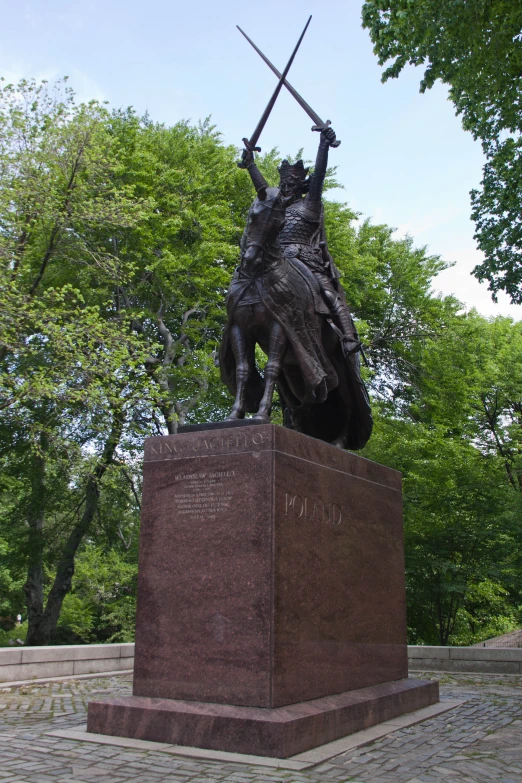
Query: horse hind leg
x=277 y=346
x=243 y=348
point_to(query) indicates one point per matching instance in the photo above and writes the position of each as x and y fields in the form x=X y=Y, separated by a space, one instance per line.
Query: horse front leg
x=277 y=345
x=243 y=348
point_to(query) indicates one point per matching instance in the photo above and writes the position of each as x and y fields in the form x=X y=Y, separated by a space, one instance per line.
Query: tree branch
x=65 y=208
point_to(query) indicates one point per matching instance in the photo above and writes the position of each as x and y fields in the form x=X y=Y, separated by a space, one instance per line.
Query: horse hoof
x=234 y=416
x=262 y=417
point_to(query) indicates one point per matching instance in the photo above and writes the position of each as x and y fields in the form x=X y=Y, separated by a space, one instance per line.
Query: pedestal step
x=280 y=732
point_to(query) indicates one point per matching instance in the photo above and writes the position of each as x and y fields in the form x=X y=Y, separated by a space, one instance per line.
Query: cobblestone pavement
x=477 y=742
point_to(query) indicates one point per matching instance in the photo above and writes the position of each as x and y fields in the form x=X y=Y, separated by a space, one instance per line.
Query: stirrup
x=344 y=339
x=348 y=351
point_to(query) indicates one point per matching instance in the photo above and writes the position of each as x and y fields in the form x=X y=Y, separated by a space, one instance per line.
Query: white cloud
x=13 y=74
x=419 y=223
x=85 y=87
x=456 y=246
x=459 y=281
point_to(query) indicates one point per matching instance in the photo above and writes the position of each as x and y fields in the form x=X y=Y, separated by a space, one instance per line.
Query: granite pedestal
x=271 y=597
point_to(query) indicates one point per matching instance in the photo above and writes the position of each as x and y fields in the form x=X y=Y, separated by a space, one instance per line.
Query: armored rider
x=303 y=237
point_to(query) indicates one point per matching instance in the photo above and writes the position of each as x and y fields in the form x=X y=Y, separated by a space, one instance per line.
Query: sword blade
x=251 y=143
x=301 y=101
x=319 y=123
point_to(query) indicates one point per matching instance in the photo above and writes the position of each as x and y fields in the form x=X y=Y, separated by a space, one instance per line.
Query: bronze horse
x=276 y=303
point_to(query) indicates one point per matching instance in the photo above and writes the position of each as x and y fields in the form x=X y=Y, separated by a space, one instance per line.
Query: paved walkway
x=477 y=742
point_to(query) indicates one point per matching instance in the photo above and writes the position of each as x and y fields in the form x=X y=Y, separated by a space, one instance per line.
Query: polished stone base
x=280 y=732
x=271 y=570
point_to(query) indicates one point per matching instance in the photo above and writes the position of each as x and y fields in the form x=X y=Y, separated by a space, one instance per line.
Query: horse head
x=265 y=221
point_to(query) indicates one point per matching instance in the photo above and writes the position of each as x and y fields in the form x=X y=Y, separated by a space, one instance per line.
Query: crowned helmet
x=293 y=173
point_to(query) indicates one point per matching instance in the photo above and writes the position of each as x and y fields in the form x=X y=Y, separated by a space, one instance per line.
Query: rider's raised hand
x=246 y=159
x=328 y=135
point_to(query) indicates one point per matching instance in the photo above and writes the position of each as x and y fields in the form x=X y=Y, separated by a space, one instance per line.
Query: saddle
x=308 y=276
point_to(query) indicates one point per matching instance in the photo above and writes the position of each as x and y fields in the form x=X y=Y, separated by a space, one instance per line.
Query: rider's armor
x=302 y=236
x=302 y=225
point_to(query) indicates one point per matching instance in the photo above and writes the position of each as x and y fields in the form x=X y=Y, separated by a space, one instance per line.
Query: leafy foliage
x=458 y=448
x=102 y=604
x=475 y=48
x=460 y=528
x=498 y=218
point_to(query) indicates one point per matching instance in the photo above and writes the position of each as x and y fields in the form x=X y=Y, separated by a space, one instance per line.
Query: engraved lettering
x=336 y=512
x=300 y=507
x=214 y=443
x=313 y=509
x=202 y=496
x=306 y=502
x=326 y=516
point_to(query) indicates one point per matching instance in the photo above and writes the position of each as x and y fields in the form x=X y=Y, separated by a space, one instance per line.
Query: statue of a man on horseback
x=286 y=297
x=303 y=237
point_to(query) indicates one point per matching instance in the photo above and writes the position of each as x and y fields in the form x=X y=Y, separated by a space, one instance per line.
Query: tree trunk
x=44 y=623
x=33 y=587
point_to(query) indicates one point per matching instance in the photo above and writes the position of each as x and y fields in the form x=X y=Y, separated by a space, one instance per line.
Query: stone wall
x=494 y=660
x=31 y=663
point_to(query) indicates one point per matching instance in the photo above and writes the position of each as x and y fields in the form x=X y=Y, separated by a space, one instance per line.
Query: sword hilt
x=320 y=128
x=248 y=148
x=251 y=147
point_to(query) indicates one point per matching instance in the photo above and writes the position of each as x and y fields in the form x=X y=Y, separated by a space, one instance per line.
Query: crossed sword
x=251 y=143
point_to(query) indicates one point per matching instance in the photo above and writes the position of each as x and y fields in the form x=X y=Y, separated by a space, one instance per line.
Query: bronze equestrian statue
x=285 y=296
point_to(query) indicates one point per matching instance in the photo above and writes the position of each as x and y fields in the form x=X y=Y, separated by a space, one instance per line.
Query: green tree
x=70 y=374
x=388 y=283
x=498 y=217
x=472 y=384
x=101 y=606
x=457 y=444
x=476 y=49
x=118 y=239
x=182 y=255
x=460 y=522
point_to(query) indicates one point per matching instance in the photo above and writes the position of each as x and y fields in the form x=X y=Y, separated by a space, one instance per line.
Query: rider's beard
x=291 y=189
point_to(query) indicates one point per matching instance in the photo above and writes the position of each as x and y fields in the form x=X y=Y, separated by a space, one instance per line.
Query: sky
x=404 y=158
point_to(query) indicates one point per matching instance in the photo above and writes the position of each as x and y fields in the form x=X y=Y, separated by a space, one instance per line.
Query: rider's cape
x=323 y=391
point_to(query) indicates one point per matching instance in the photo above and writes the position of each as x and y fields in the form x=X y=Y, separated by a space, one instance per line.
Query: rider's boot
x=351 y=342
